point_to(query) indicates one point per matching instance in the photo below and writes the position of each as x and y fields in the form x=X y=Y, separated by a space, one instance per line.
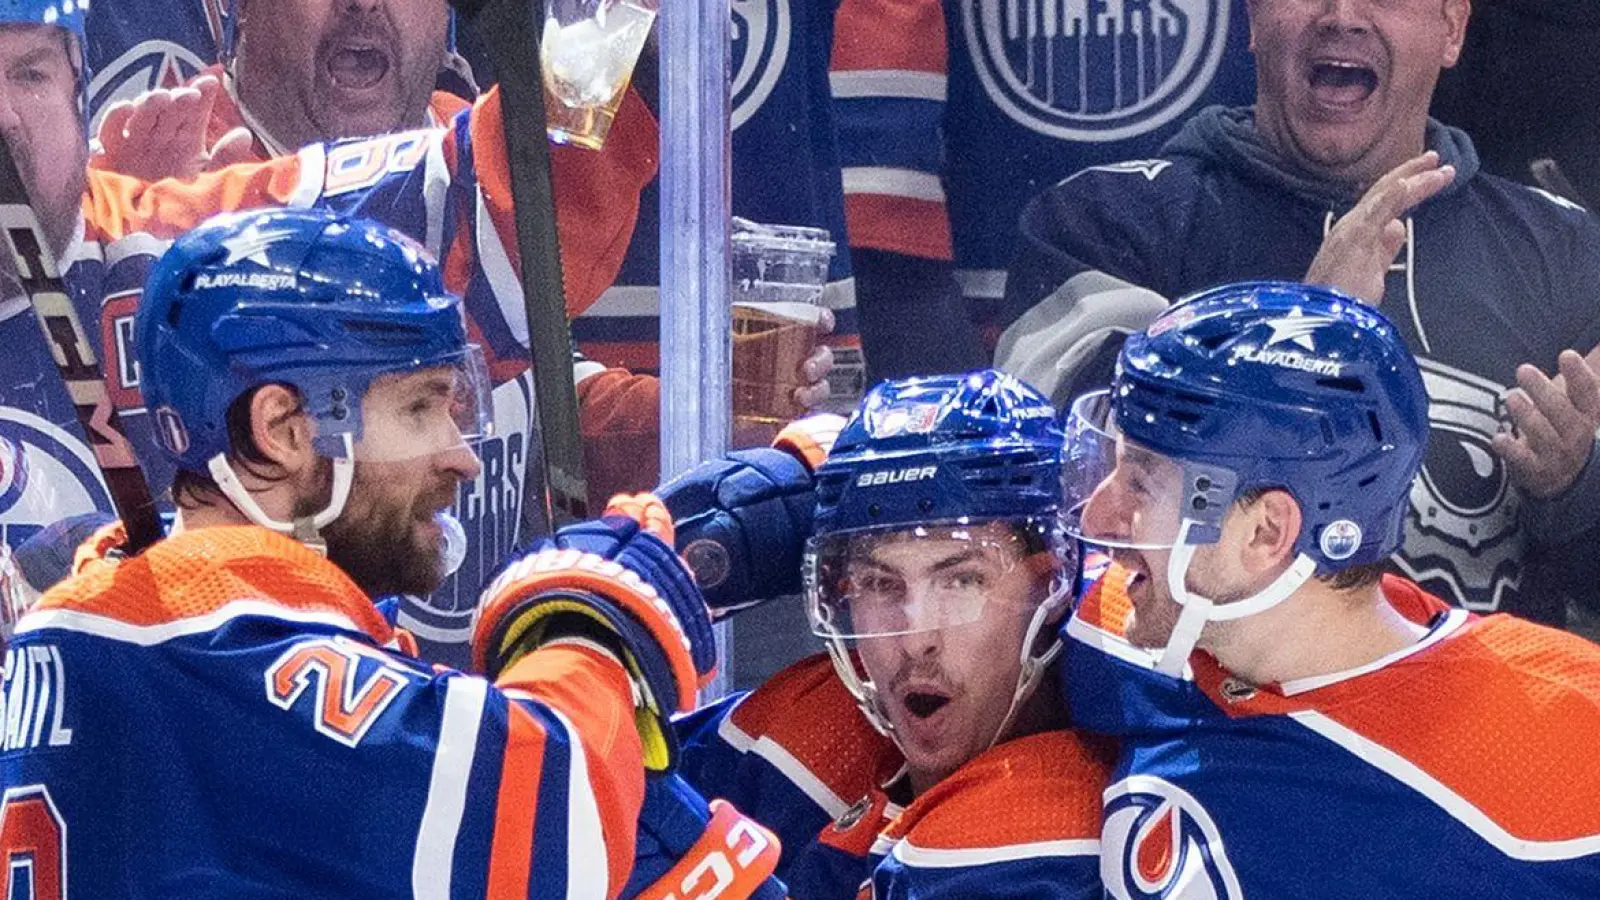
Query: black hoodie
x=1494 y=275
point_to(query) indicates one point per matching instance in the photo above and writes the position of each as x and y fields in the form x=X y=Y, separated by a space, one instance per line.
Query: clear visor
x=929 y=577
x=1116 y=493
x=428 y=409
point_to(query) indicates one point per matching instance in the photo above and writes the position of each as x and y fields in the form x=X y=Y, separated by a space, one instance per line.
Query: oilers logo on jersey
x=1095 y=70
x=46 y=474
x=1158 y=842
x=761 y=37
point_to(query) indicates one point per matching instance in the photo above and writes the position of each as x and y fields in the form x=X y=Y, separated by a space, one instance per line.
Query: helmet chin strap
x=306 y=529
x=1198 y=610
x=1034 y=664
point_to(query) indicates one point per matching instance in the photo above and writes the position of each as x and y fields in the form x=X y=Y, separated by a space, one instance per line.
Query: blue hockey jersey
x=224 y=716
x=1493 y=275
x=1458 y=767
x=136 y=45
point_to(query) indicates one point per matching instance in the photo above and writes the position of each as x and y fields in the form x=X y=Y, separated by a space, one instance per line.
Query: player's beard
x=385 y=545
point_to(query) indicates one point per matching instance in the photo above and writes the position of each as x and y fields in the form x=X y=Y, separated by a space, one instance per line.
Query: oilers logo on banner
x=1095 y=70
x=46 y=474
x=145 y=66
x=1158 y=842
x=761 y=35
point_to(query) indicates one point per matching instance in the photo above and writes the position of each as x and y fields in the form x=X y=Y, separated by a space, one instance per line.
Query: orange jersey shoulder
x=806 y=710
x=1044 y=787
x=195 y=573
x=1497 y=720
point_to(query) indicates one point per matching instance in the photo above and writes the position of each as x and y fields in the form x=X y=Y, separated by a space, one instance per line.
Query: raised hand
x=162 y=134
x=1553 y=424
x=1357 y=253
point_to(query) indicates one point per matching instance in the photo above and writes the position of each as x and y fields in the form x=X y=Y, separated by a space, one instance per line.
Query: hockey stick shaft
x=74 y=352
x=511 y=38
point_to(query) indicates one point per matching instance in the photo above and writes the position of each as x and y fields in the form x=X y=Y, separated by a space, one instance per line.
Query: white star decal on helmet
x=252 y=245
x=1296 y=329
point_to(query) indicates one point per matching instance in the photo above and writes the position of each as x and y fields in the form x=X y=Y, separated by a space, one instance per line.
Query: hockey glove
x=616 y=584
x=742 y=521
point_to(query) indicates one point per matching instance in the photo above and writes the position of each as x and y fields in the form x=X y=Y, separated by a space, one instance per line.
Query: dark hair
x=1348 y=579
x=194 y=489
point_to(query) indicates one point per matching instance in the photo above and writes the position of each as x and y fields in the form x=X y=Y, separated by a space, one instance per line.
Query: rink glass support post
x=695 y=147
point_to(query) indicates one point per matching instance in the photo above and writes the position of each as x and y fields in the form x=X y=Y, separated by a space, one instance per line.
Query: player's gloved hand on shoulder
x=742 y=521
x=616 y=584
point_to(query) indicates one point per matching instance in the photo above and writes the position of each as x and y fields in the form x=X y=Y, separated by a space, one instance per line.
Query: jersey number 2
x=33 y=846
x=344 y=710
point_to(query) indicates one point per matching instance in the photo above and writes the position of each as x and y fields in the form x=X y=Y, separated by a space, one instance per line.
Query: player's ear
x=280 y=433
x=1275 y=523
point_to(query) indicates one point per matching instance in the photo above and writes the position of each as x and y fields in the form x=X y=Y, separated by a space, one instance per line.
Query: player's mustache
x=921 y=673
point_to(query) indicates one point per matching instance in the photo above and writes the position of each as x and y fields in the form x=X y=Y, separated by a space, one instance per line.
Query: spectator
x=1490 y=275
x=293 y=72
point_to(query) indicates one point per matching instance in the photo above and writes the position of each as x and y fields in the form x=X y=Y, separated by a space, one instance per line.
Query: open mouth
x=924 y=705
x=1342 y=83
x=357 y=68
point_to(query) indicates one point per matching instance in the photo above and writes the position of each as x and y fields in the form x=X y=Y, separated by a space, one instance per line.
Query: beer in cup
x=588 y=52
x=779 y=272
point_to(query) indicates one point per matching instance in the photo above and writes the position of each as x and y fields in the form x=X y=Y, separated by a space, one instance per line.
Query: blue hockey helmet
x=1248 y=387
x=326 y=304
x=68 y=15
x=971 y=461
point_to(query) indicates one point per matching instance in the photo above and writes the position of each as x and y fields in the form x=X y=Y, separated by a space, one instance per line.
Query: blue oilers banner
x=136 y=45
x=1039 y=89
x=47 y=471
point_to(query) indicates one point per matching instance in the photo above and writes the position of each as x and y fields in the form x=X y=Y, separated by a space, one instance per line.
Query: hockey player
x=449 y=189
x=918 y=760
x=1294 y=722
x=1492 y=280
x=226 y=714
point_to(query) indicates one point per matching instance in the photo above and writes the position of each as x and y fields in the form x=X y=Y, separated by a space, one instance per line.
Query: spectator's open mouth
x=355 y=68
x=1342 y=84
